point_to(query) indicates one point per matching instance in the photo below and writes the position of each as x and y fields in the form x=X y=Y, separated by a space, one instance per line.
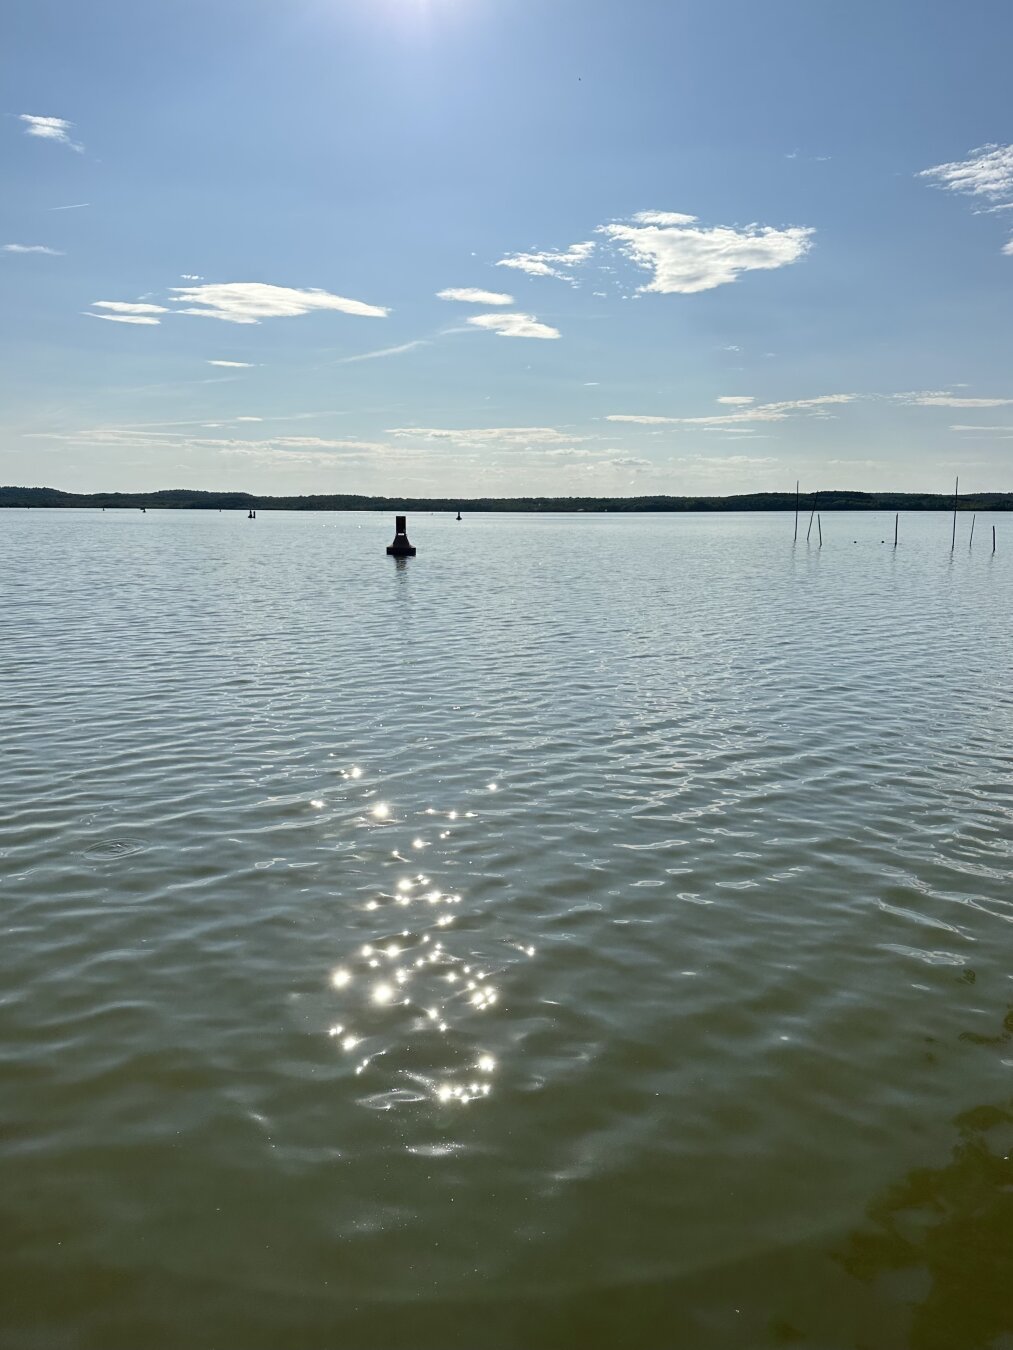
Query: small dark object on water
x=252 y=515
x=458 y=515
x=400 y=548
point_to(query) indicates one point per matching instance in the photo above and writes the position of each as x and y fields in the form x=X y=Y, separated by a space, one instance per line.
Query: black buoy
x=459 y=513
x=400 y=548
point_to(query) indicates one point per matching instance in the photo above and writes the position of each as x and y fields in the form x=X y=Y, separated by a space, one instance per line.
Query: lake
x=593 y=931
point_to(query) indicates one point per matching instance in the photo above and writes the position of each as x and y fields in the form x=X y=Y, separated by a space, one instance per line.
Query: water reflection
x=407 y=999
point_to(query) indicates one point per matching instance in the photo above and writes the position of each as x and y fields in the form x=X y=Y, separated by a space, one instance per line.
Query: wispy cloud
x=514 y=325
x=686 y=258
x=383 y=351
x=942 y=399
x=233 y=365
x=49 y=129
x=251 y=301
x=736 y=398
x=471 y=295
x=128 y=307
x=74 y=206
x=190 y=276
x=988 y=173
x=504 y=437
x=761 y=412
x=32 y=248
x=551 y=263
x=122 y=318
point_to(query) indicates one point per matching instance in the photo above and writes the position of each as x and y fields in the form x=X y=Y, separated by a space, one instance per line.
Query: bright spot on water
x=317 y=804
x=493 y=787
x=418 y=843
x=451 y=815
x=382 y=993
x=404 y=884
x=367 y=950
x=380 y=811
x=335 y=1030
x=372 y=904
x=392 y=950
x=444 y=1092
x=355 y=773
x=340 y=978
x=350 y=1042
x=486 y=1064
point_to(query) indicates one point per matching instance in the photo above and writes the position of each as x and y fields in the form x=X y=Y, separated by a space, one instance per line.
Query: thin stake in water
x=973 y=519
x=796 y=512
x=819 y=526
x=896 y=527
x=993 y=538
x=811 y=514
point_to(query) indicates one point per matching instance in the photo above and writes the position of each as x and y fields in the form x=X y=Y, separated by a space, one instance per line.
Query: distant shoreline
x=192 y=499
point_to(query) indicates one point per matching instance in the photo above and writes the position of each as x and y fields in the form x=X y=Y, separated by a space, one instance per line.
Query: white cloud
x=762 y=412
x=32 y=248
x=641 y=419
x=471 y=295
x=959 y=426
x=74 y=206
x=383 y=351
x=49 y=129
x=124 y=307
x=233 y=365
x=727 y=462
x=123 y=318
x=514 y=325
x=736 y=398
x=663 y=218
x=686 y=259
x=987 y=173
x=945 y=400
x=1008 y=248
x=251 y=301
x=551 y=263
x=190 y=276
x=474 y=437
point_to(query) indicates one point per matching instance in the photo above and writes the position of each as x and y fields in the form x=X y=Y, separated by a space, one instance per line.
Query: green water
x=591 y=932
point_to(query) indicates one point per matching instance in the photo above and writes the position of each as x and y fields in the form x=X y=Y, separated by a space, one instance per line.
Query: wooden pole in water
x=953 y=541
x=796 y=511
x=993 y=538
x=819 y=526
x=896 y=527
x=811 y=514
x=973 y=519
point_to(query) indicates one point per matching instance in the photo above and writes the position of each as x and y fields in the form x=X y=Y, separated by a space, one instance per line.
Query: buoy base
x=401 y=550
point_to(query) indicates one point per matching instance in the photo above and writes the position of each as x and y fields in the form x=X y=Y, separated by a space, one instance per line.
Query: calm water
x=594 y=931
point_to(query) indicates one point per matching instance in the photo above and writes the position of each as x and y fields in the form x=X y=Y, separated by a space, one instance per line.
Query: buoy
x=400 y=548
x=458 y=515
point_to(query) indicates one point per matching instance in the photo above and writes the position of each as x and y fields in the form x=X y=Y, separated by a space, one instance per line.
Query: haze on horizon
x=480 y=247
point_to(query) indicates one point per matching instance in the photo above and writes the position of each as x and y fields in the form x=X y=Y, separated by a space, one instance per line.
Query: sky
x=506 y=247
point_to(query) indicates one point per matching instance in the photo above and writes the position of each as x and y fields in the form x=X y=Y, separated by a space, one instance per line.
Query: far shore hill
x=190 y=499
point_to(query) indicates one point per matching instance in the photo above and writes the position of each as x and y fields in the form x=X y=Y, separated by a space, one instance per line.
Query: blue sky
x=710 y=246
